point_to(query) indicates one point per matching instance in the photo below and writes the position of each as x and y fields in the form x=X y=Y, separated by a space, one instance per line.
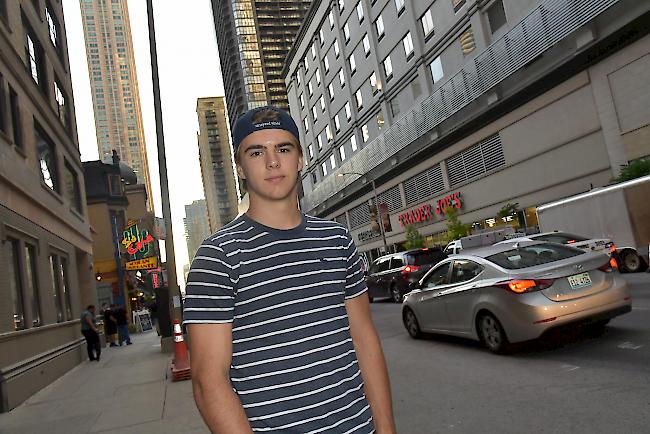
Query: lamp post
x=374 y=192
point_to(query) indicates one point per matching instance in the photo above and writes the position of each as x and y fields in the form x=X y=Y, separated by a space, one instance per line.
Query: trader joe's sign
x=425 y=213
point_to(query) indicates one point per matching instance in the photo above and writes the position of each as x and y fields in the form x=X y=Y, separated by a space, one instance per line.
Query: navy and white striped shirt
x=294 y=367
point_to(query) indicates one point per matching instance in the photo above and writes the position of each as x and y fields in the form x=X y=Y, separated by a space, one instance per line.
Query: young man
x=279 y=320
x=91 y=333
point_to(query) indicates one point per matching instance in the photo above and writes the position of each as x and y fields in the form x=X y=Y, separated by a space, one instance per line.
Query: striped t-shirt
x=294 y=367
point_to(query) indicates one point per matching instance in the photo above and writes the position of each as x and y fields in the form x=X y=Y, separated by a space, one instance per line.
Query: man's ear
x=240 y=172
x=301 y=163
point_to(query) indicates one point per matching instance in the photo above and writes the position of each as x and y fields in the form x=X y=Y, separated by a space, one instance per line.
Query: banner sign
x=142 y=264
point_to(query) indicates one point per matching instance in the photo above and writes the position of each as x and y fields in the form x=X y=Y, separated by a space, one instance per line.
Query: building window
x=353 y=64
x=342 y=153
x=394 y=107
x=337 y=48
x=374 y=83
x=326 y=62
x=320 y=142
x=328 y=133
x=408 y=45
x=348 y=111
x=322 y=103
x=360 y=12
x=65 y=286
x=16 y=287
x=310 y=149
x=302 y=101
x=16 y=119
x=380 y=120
x=457 y=4
x=366 y=44
x=317 y=76
x=337 y=123
x=346 y=32
x=310 y=87
x=321 y=37
x=436 y=69
x=341 y=5
x=359 y=99
x=314 y=112
x=330 y=89
x=297 y=77
x=53 y=27
x=60 y=103
x=330 y=17
x=72 y=187
x=467 y=42
x=388 y=68
x=314 y=178
x=34 y=54
x=305 y=122
x=379 y=25
x=399 y=6
x=115 y=185
x=496 y=15
x=342 y=77
x=353 y=143
x=313 y=51
x=427 y=24
x=332 y=161
x=323 y=167
x=365 y=133
x=31 y=284
x=56 y=287
x=306 y=64
x=47 y=160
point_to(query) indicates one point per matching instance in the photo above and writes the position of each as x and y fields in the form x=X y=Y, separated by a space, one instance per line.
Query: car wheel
x=631 y=262
x=396 y=294
x=411 y=324
x=598 y=327
x=492 y=334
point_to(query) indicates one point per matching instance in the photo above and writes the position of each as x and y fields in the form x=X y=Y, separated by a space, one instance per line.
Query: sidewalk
x=126 y=392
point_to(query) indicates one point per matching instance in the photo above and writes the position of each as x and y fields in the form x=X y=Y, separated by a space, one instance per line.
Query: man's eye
x=285 y=149
x=255 y=154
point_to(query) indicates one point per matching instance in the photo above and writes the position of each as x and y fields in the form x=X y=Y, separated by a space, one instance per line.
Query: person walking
x=91 y=333
x=122 y=326
x=110 y=324
x=277 y=308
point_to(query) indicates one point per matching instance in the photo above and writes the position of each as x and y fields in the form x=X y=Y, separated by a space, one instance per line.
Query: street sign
x=142 y=264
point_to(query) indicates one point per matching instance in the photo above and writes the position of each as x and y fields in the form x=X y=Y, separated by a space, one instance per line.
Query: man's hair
x=265 y=115
x=90 y=306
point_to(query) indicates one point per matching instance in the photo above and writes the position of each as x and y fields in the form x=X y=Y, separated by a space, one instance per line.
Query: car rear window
x=530 y=256
x=425 y=257
x=561 y=238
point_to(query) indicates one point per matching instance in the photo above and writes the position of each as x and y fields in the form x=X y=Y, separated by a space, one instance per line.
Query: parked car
x=603 y=245
x=392 y=275
x=479 y=239
x=510 y=293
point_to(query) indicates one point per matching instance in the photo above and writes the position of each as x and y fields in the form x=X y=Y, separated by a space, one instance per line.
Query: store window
x=16 y=287
x=31 y=283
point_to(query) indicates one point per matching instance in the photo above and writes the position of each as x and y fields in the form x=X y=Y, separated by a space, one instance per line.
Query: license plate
x=579 y=280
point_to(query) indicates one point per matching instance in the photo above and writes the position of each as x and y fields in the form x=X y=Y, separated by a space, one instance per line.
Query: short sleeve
x=355 y=283
x=209 y=293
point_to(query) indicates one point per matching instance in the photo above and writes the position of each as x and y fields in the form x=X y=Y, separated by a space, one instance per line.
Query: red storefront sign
x=424 y=213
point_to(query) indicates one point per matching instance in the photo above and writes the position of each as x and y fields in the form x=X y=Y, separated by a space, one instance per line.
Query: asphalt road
x=577 y=383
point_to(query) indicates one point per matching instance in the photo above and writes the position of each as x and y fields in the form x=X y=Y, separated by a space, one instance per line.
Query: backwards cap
x=262 y=118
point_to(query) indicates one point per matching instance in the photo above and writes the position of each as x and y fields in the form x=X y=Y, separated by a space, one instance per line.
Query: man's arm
x=213 y=393
x=89 y=321
x=371 y=361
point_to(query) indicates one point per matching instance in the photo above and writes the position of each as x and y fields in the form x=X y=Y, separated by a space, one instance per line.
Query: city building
x=46 y=277
x=480 y=105
x=197 y=226
x=217 y=163
x=115 y=199
x=114 y=85
x=254 y=38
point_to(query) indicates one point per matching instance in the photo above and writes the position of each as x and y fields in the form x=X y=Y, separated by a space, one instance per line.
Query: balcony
x=547 y=24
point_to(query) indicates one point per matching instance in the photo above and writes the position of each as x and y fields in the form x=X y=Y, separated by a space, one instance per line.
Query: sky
x=188 y=65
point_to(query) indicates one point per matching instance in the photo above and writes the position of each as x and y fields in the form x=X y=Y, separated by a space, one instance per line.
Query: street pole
x=174 y=290
x=378 y=214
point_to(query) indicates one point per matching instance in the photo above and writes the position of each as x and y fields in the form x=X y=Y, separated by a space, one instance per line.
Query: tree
x=414 y=240
x=508 y=209
x=455 y=229
x=634 y=169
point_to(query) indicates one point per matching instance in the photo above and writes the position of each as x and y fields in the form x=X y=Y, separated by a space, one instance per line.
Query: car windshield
x=425 y=257
x=561 y=238
x=530 y=256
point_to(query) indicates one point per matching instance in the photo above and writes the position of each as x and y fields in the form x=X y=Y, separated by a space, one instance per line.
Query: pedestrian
x=122 y=326
x=110 y=323
x=277 y=307
x=153 y=314
x=91 y=333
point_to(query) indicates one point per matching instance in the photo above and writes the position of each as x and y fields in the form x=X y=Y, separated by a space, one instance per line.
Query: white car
x=602 y=245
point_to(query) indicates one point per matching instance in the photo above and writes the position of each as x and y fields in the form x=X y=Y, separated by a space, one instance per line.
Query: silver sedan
x=515 y=292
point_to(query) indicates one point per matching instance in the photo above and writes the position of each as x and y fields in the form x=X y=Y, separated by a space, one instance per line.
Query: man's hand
x=372 y=363
x=211 y=355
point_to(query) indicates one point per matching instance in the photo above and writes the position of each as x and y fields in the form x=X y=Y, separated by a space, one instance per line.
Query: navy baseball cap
x=262 y=118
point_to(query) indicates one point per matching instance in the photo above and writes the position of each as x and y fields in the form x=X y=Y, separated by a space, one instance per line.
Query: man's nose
x=272 y=160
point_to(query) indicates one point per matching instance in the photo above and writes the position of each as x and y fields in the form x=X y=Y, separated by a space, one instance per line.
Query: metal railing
x=547 y=24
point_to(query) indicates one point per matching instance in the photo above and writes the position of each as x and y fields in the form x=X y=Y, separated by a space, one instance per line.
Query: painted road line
x=629 y=346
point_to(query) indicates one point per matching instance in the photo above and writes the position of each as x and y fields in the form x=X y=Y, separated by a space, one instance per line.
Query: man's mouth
x=277 y=178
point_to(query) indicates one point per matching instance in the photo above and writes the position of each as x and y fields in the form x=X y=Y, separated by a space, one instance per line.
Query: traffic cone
x=181 y=361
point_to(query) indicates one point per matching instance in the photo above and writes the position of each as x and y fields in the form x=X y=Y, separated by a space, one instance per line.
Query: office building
x=114 y=85
x=197 y=226
x=254 y=38
x=217 y=163
x=475 y=104
x=46 y=276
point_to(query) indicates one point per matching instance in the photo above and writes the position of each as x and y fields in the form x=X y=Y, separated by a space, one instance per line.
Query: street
x=578 y=384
